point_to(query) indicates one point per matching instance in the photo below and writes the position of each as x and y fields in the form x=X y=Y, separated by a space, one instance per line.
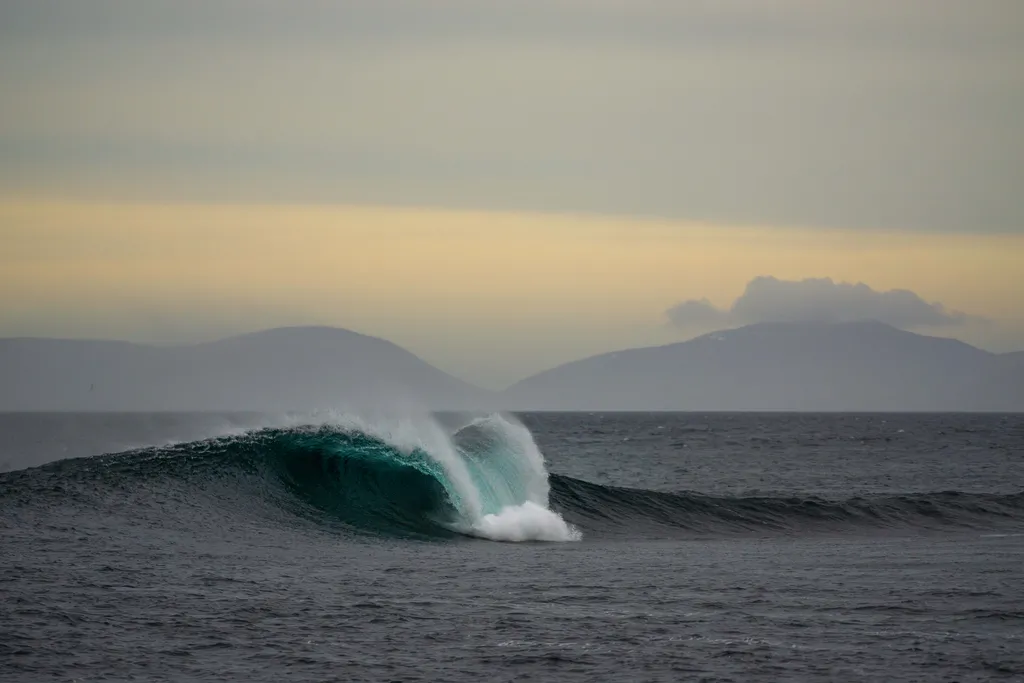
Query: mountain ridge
x=280 y=369
x=791 y=366
x=796 y=366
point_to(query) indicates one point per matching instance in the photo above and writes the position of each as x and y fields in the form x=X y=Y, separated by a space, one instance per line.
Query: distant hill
x=865 y=366
x=770 y=366
x=298 y=368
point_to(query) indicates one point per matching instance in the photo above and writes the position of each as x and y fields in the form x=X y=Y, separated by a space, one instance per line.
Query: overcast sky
x=870 y=127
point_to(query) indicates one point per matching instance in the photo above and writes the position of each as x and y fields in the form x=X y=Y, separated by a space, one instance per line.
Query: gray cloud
x=892 y=115
x=768 y=299
x=697 y=313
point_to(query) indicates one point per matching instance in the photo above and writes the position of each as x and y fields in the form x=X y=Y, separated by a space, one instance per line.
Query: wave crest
x=487 y=480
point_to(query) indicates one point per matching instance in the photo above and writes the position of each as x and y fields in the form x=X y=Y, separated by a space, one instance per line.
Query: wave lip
x=507 y=471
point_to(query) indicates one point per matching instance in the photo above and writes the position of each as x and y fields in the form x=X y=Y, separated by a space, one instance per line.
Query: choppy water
x=661 y=547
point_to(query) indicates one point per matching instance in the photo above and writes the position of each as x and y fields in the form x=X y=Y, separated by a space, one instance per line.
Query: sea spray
x=510 y=477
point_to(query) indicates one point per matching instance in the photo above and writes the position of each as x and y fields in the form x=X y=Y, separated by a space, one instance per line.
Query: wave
x=642 y=512
x=401 y=477
x=487 y=480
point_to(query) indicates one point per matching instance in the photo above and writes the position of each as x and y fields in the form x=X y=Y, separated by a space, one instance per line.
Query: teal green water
x=364 y=481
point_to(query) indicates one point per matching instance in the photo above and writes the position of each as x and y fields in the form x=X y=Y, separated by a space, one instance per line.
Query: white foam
x=526 y=522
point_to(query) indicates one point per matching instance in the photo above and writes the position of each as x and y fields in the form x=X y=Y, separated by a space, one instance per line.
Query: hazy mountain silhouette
x=298 y=368
x=864 y=366
x=768 y=366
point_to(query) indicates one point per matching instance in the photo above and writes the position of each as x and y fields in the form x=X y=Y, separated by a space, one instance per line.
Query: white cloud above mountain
x=769 y=299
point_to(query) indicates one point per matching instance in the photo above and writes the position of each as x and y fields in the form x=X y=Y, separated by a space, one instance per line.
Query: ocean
x=533 y=547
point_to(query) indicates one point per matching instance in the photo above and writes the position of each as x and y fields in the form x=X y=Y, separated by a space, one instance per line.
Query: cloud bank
x=768 y=299
x=538 y=105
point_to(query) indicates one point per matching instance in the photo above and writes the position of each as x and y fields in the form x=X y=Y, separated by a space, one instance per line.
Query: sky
x=502 y=187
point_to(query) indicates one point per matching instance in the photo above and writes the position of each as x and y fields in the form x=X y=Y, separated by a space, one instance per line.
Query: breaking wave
x=400 y=477
x=415 y=478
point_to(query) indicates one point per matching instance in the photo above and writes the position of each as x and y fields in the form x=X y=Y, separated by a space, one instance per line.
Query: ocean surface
x=536 y=547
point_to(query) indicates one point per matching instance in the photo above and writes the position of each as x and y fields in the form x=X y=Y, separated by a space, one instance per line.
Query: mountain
x=297 y=368
x=769 y=366
x=863 y=366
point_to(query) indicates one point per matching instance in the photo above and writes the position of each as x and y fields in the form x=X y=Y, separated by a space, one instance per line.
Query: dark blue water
x=679 y=547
